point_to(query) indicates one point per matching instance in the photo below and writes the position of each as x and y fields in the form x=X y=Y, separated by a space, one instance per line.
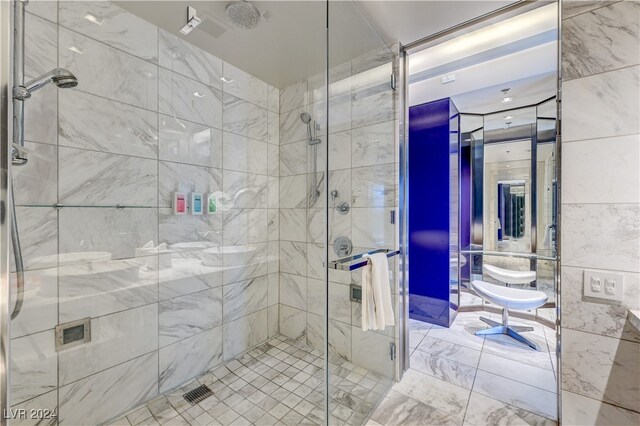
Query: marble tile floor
x=458 y=378
x=280 y=382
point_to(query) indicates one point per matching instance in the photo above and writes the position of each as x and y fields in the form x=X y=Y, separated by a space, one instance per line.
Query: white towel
x=377 y=312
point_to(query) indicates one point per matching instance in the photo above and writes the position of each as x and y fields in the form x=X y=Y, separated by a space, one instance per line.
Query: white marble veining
x=443 y=396
x=91 y=122
x=191 y=232
x=109 y=24
x=118 y=232
x=580 y=410
x=315 y=296
x=443 y=368
x=293 y=158
x=293 y=192
x=186 y=142
x=245 y=86
x=273 y=128
x=374 y=186
x=243 y=154
x=273 y=224
x=244 y=333
x=188 y=99
x=109 y=346
x=46 y=9
x=95 y=399
x=40 y=309
x=139 y=87
x=602 y=368
x=398 y=409
x=589 y=110
x=90 y=178
x=339 y=302
x=245 y=226
x=340 y=150
x=40 y=46
x=190 y=272
x=535 y=376
x=188 y=315
x=293 y=224
x=41 y=112
x=93 y=289
x=372 y=105
x=47 y=401
x=33 y=366
x=293 y=96
x=249 y=261
x=601 y=40
x=599 y=316
x=622 y=158
x=368 y=351
x=373 y=145
x=273 y=99
x=244 y=190
x=186 y=59
x=38 y=182
x=293 y=322
x=244 y=118
x=483 y=410
x=571 y=8
x=293 y=290
x=38 y=237
x=244 y=298
x=451 y=351
x=371 y=228
x=340 y=339
x=189 y=358
x=292 y=129
x=601 y=236
x=293 y=257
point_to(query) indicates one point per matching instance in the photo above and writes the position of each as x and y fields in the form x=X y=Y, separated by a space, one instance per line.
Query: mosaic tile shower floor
x=277 y=383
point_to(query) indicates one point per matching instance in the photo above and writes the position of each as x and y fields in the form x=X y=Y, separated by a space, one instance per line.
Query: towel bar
x=345 y=264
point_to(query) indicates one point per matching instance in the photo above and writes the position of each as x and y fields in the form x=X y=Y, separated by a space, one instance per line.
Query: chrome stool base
x=505 y=328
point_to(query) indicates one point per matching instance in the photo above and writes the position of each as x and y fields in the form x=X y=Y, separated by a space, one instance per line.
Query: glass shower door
x=361 y=199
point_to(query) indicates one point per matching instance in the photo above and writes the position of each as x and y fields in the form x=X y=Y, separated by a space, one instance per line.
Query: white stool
x=508 y=298
x=509 y=276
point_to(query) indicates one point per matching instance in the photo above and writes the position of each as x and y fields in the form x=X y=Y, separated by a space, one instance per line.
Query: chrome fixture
x=342 y=246
x=313 y=141
x=21 y=92
x=192 y=21
x=343 y=207
x=334 y=194
x=359 y=260
x=243 y=14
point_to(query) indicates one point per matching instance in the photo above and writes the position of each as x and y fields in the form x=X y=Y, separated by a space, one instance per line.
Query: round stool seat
x=509 y=276
x=510 y=298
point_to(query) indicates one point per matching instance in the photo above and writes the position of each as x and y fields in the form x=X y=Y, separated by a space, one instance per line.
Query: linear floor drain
x=198 y=394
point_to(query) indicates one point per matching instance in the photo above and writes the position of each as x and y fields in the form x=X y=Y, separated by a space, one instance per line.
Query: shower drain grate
x=198 y=394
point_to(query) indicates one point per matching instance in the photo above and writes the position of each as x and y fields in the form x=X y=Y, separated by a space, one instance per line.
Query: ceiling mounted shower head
x=305 y=117
x=243 y=14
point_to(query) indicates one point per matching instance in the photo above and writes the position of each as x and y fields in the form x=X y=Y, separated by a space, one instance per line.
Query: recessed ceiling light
x=198 y=95
x=93 y=18
x=508 y=117
x=507 y=99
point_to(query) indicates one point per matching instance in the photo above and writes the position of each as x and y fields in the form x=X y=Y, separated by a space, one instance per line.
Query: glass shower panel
x=163 y=216
x=362 y=201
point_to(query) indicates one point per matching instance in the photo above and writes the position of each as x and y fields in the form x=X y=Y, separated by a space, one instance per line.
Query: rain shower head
x=243 y=14
x=305 y=117
x=61 y=77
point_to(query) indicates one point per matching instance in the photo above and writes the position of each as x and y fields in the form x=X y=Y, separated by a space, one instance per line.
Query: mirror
x=510 y=221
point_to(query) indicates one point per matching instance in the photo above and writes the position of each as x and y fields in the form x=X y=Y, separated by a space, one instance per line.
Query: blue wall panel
x=429 y=212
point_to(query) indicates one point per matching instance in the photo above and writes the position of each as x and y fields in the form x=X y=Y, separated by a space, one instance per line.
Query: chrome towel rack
x=358 y=261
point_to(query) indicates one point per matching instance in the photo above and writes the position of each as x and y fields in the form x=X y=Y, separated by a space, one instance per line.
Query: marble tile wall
x=600 y=209
x=168 y=297
x=363 y=169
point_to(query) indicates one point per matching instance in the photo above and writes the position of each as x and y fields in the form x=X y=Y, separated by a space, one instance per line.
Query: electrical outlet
x=603 y=285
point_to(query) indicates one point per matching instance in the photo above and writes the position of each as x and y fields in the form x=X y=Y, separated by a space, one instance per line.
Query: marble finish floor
x=278 y=383
x=458 y=378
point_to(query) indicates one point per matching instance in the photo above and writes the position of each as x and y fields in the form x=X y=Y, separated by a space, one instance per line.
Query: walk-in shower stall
x=191 y=199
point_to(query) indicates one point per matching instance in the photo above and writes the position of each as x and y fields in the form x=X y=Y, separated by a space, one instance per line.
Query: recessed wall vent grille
x=198 y=394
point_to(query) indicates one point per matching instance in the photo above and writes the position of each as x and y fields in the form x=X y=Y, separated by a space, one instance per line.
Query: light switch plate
x=603 y=285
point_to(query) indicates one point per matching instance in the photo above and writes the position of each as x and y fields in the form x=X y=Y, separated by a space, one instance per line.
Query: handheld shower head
x=305 y=117
x=61 y=77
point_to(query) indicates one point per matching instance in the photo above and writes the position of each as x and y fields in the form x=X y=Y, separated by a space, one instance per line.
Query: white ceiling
x=409 y=21
x=519 y=53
